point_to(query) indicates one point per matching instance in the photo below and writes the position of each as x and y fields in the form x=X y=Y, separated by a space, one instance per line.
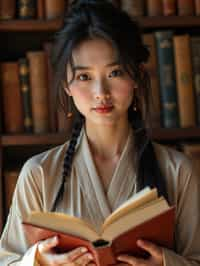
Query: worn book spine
x=152 y=67
x=39 y=91
x=184 y=80
x=185 y=7
x=40 y=9
x=12 y=99
x=154 y=7
x=54 y=9
x=9 y=182
x=197 y=7
x=195 y=49
x=134 y=7
x=169 y=7
x=26 y=9
x=26 y=94
x=51 y=91
x=168 y=93
x=7 y=9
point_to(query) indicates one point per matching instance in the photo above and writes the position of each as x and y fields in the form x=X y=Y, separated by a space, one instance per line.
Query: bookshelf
x=40 y=30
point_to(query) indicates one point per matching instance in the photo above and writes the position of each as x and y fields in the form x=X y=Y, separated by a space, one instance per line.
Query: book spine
x=184 y=80
x=104 y=256
x=133 y=8
x=26 y=94
x=40 y=9
x=152 y=68
x=54 y=9
x=12 y=99
x=7 y=9
x=26 y=9
x=195 y=49
x=185 y=7
x=169 y=107
x=39 y=91
x=154 y=8
x=51 y=91
x=169 y=7
x=197 y=7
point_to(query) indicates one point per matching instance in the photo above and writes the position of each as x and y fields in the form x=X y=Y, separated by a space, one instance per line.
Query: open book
x=143 y=216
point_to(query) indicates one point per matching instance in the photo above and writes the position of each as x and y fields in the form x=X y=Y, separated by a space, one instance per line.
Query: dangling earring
x=69 y=107
x=135 y=102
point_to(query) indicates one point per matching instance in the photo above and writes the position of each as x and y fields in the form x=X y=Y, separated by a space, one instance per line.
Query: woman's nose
x=102 y=90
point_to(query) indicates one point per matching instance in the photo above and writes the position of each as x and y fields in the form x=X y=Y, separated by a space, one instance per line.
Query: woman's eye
x=83 y=77
x=115 y=73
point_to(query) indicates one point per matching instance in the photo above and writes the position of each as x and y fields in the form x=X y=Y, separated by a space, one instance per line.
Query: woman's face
x=102 y=91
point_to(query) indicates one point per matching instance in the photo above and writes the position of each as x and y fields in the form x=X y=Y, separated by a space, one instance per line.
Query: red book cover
x=185 y=7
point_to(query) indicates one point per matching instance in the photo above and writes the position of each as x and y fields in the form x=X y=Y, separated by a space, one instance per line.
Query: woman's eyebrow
x=79 y=67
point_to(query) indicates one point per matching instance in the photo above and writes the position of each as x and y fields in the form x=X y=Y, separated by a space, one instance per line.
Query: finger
x=151 y=248
x=69 y=257
x=130 y=260
x=48 y=244
x=84 y=259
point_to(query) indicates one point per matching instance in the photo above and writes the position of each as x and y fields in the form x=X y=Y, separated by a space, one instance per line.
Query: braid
x=68 y=159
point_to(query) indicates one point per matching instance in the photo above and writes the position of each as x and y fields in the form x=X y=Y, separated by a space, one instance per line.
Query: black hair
x=89 y=19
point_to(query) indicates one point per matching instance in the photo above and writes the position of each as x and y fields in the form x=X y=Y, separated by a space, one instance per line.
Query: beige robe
x=86 y=197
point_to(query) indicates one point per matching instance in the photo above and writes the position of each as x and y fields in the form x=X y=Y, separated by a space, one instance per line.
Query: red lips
x=103 y=109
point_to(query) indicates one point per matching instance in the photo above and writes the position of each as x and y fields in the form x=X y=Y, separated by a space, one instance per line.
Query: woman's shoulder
x=47 y=163
x=171 y=156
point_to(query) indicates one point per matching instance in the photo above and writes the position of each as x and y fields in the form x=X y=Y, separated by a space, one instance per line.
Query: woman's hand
x=45 y=255
x=155 y=259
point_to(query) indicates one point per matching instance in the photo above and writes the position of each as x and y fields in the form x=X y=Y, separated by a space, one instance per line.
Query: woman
x=98 y=60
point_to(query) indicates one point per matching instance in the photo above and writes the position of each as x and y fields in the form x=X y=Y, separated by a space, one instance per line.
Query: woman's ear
x=65 y=87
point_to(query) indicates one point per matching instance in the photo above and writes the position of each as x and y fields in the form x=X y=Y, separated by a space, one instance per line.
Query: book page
x=63 y=223
x=139 y=199
x=134 y=218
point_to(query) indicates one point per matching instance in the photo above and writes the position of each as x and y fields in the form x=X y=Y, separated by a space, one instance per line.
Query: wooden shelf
x=146 y=22
x=30 y=25
x=43 y=139
x=160 y=134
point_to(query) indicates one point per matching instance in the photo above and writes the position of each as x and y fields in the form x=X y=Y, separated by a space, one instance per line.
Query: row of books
x=161 y=7
x=174 y=67
x=32 y=9
x=49 y=9
x=28 y=97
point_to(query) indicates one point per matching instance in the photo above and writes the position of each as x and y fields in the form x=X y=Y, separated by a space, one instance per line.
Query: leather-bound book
x=169 y=7
x=39 y=91
x=54 y=9
x=26 y=9
x=197 y=7
x=40 y=9
x=134 y=7
x=195 y=49
x=7 y=9
x=142 y=217
x=12 y=99
x=154 y=7
x=185 y=7
x=51 y=90
x=184 y=79
x=152 y=67
x=167 y=79
x=26 y=94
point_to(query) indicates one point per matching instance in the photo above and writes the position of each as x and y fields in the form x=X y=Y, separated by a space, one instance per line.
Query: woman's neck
x=107 y=142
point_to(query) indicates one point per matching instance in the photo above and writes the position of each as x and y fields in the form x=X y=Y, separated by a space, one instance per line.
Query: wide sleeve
x=14 y=249
x=187 y=231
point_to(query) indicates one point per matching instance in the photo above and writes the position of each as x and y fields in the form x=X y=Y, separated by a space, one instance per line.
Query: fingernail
x=90 y=257
x=83 y=249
